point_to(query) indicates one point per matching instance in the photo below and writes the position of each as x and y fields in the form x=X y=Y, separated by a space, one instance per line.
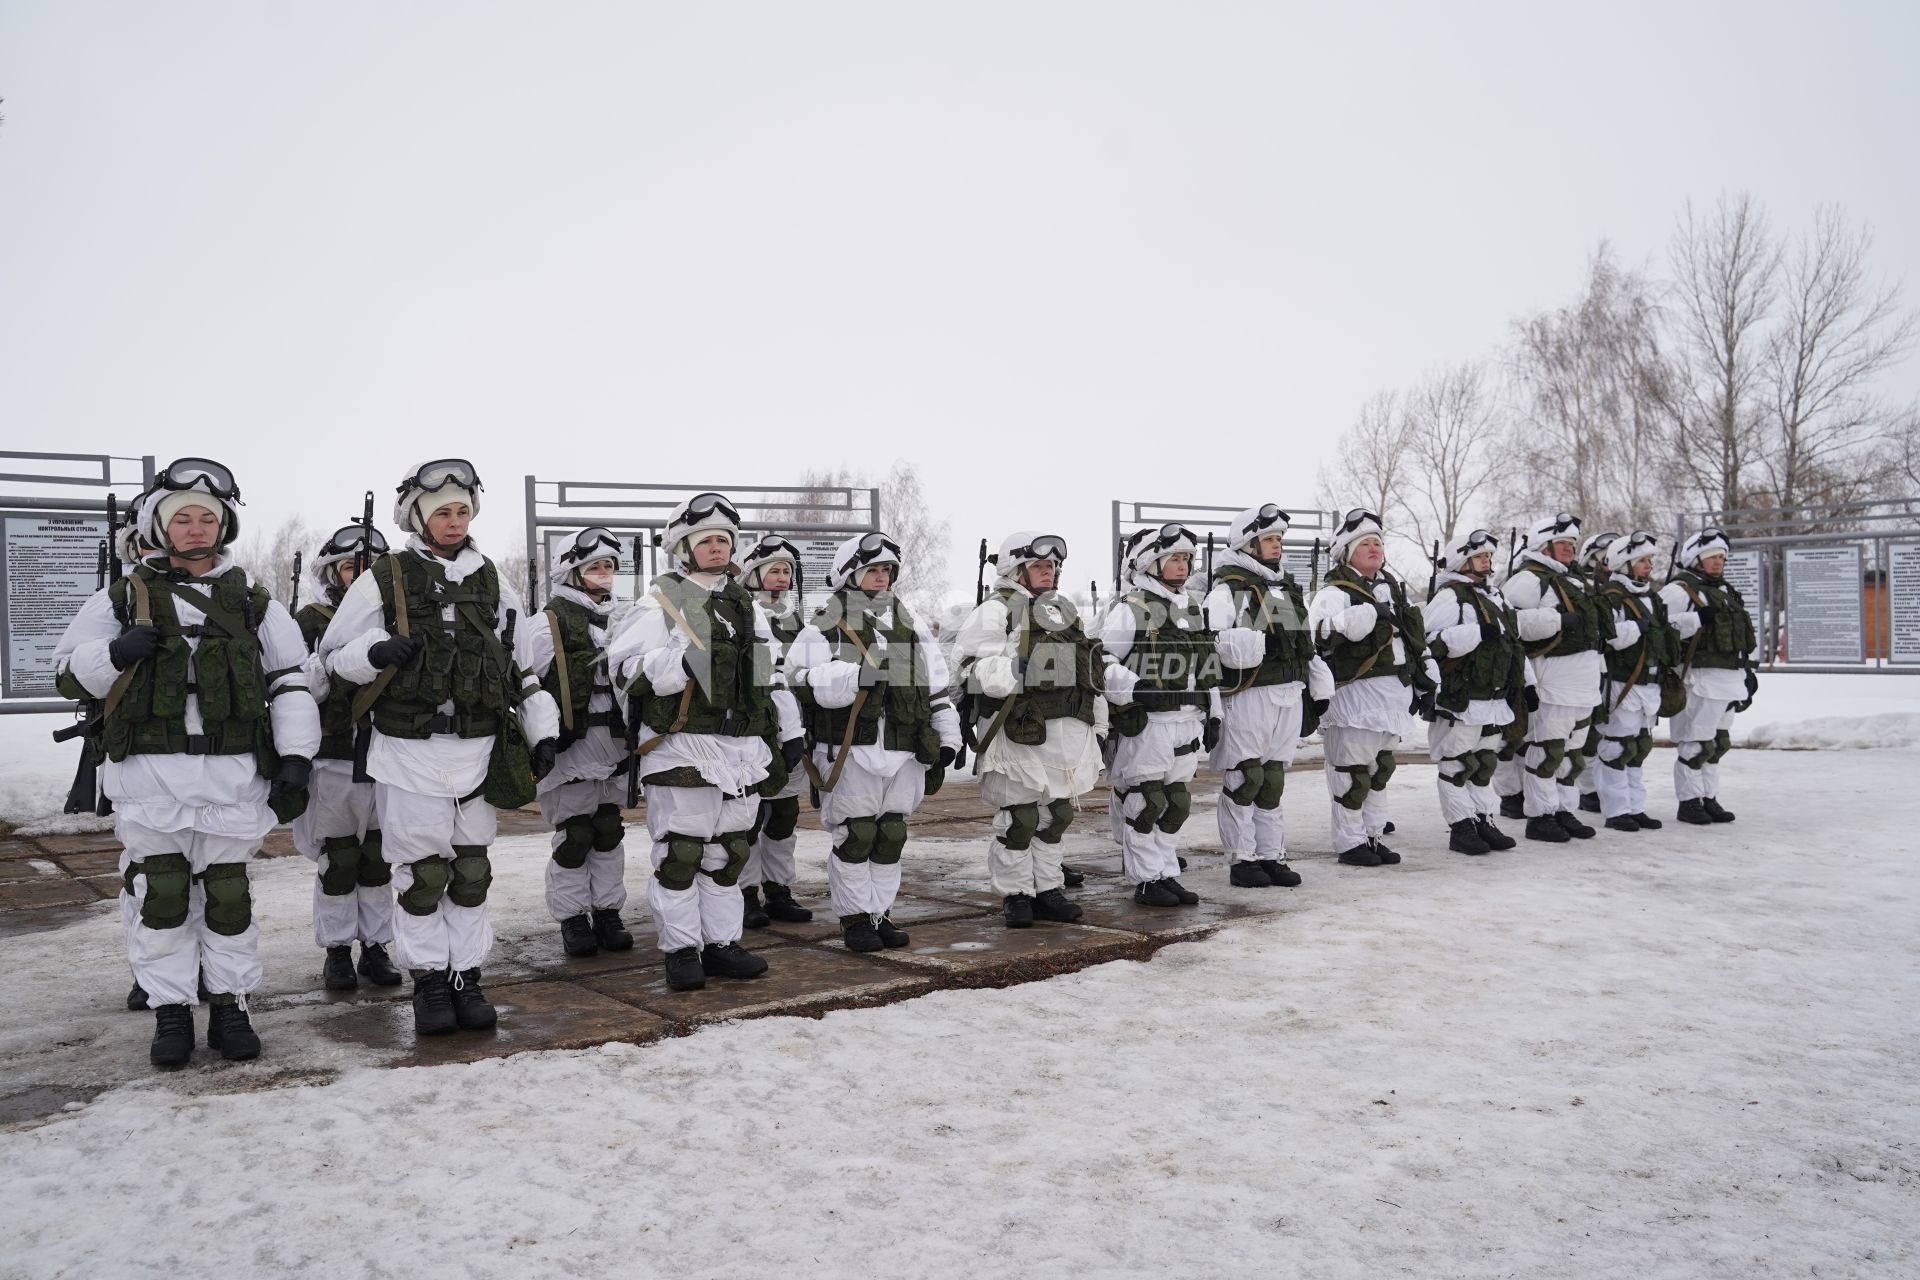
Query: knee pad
x=1153 y=797
x=780 y=817
x=1059 y=818
x=1553 y=753
x=1359 y=782
x=422 y=897
x=739 y=847
x=1642 y=747
x=1462 y=770
x=342 y=872
x=1508 y=750
x=1693 y=754
x=609 y=828
x=1485 y=762
x=576 y=842
x=861 y=835
x=890 y=838
x=682 y=863
x=1621 y=759
x=229 y=900
x=375 y=871
x=472 y=873
x=1252 y=775
x=1383 y=767
x=1023 y=820
x=1273 y=785
x=1722 y=743
x=169 y=887
x=1179 y=805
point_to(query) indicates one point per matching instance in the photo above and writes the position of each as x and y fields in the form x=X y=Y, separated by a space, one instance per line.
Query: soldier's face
x=777 y=576
x=598 y=575
x=1480 y=562
x=1268 y=547
x=1038 y=575
x=192 y=528
x=447 y=526
x=1642 y=569
x=1367 y=556
x=1561 y=549
x=1713 y=564
x=347 y=573
x=1175 y=568
x=711 y=553
x=876 y=578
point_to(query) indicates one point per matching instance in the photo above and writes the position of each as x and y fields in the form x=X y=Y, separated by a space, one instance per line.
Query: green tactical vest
x=903 y=696
x=336 y=709
x=1372 y=656
x=1064 y=671
x=1287 y=617
x=585 y=660
x=225 y=672
x=461 y=661
x=1488 y=671
x=1728 y=643
x=1660 y=644
x=1592 y=627
x=1171 y=648
x=786 y=627
x=728 y=694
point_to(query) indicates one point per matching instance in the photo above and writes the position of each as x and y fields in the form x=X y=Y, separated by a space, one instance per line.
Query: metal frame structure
x=80 y=471
x=1304 y=523
x=1772 y=531
x=629 y=508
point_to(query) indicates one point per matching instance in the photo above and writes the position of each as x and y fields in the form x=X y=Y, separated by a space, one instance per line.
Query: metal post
x=533 y=551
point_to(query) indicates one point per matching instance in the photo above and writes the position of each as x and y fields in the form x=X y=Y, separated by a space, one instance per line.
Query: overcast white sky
x=1053 y=253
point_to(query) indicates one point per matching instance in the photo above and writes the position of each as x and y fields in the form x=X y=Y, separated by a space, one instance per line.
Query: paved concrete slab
x=799 y=979
x=976 y=944
x=1109 y=904
x=533 y=1015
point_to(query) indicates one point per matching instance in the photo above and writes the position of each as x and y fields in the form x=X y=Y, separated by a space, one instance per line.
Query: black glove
x=1707 y=614
x=1320 y=706
x=394 y=651
x=287 y=790
x=1020 y=661
x=791 y=752
x=132 y=645
x=1273 y=642
x=1210 y=736
x=946 y=757
x=1423 y=704
x=544 y=752
x=1490 y=632
x=1643 y=624
x=960 y=757
x=1531 y=696
x=1568 y=618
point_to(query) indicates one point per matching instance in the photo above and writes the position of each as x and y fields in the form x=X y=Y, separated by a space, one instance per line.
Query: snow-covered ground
x=1686 y=1053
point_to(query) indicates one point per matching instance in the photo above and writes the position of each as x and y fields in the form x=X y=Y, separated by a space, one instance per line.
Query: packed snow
x=1683 y=1053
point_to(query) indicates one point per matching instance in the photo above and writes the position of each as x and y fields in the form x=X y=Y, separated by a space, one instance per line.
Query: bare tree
x=904 y=513
x=1838 y=332
x=268 y=557
x=1370 y=468
x=1450 y=429
x=1726 y=270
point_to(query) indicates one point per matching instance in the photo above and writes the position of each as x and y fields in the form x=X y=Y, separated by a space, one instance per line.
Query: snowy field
x=1689 y=1053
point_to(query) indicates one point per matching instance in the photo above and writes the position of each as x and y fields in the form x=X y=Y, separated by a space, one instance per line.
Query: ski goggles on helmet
x=1597 y=545
x=875 y=546
x=1476 y=542
x=1045 y=547
x=349 y=537
x=1560 y=526
x=203 y=474
x=1267 y=517
x=593 y=543
x=1638 y=543
x=702 y=505
x=771 y=546
x=434 y=476
x=1361 y=516
x=1169 y=535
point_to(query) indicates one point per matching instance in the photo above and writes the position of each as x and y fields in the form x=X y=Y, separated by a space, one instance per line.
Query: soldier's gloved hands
x=1531 y=696
x=1643 y=623
x=1383 y=593
x=1568 y=618
x=1210 y=735
x=1707 y=615
x=394 y=651
x=1274 y=639
x=834 y=683
x=792 y=750
x=287 y=790
x=960 y=757
x=132 y=645
x=1489 y=632
x=947 y=755
x=544 y=753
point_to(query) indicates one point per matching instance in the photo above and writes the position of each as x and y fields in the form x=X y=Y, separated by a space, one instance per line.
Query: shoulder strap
x=560 y=670
x=679 y=619
x=142 y=617
x=371 y=694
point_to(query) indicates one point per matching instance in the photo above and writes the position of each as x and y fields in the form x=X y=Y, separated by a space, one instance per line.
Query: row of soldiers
x=414 y=696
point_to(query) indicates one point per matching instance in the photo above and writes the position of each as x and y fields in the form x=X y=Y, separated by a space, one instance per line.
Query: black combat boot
x=610 y=931
x=1623 y=823
x=136 y=998
x=1496 y=838
x=1018 y=909
x=172 y=1035
x=859 y=933
x=684 y=970
x=782 y=907
x=1154 y=893
x=1714 y=811
x=1513 y=807
x=891 y=934
x=471 y=1008
x=1694 y=813
x=1572 y=825
x=337 y=973
x=432 y=1003
x=1645 y=823
x=576 y=936
x=1187 y=896
x=730 y=960
x=1590 y=801
x=1279 y=873
x=1546 y=828
x=1361 y=855
x=1074 y=879
x=1387 y=856
x=1055 y=906
x=754 y=917
x=1466 y=838
x=230 y=1030
x=375 y=967
x=1249 y=875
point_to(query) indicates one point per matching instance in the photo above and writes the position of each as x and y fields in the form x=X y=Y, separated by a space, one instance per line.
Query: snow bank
x=1834 y=733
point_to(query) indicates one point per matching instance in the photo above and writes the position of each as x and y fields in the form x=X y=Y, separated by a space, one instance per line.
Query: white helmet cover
x=1555 y=528
x=447 y=480
x=189 y=482
x=1707 y=542
x=590 y=544
x=1151 y=547
x=700 y=514
x=1358 y=524
x=1465 y=547
x=860 y=552
x=1596 y=550
x=768 y=549
x=1629 y=547
x=1024 y=547
x=1255 y=523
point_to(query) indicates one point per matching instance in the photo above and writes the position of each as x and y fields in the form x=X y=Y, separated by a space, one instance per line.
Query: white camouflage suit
x=1458 y=742
x=772 y=858
x=425 y=789
x=1630 y=713
x=1711 y=695
x=208 y=810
